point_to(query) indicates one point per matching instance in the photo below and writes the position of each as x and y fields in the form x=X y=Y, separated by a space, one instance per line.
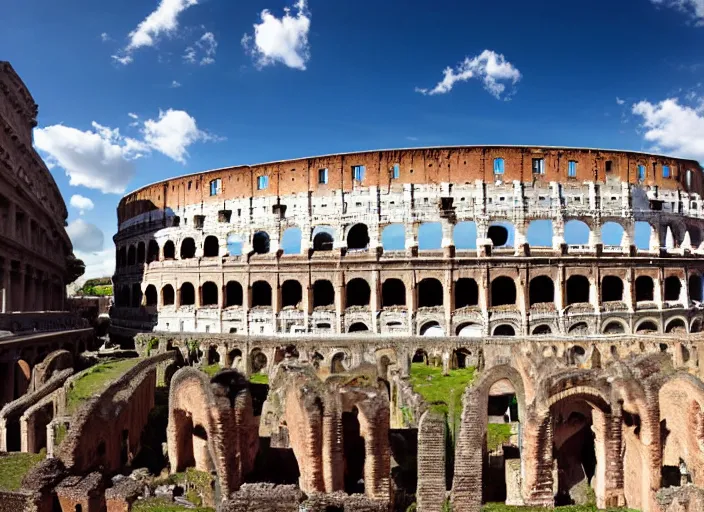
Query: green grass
x=95 y=380
x=259 y=378
x=211 y=369
x=13 y=467
x=441 y=391
x=500 y=507
x=161 y=505
x=496 y=435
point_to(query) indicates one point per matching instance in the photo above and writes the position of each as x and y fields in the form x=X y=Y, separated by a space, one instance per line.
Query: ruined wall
x=430 y=494
x=106 y=430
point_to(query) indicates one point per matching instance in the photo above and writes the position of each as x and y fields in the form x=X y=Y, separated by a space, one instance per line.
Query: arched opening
x=503 y=291
x=676 y=326
x=393 y=293
x=462 y=358
x=337 y=363
x=465 y=235
x=695 y=287
x=358 y=327
x=393 y=237
x=291 y=240
x=576 y=232
x=259 y=361
x=542 y=330
x=234 y=358
x=122 y=257
x=187 y=295
x=234 y=295
x=541 y=290
x=141 y=252
x=696 y=325
x=466 y=293
x=354 y=452
x=539 y=233
x=614 y=327
x=261 y=294
x=432 y=330
x=260 y=242
x=323 y=239
x=579 y=329
x=470 y=330
x=673 y=288
x=151 y=295
x=209 y=294
x=420 y=356
x=501 y=235
x=132 y=255
x=611 y=289
x=136 y=295
x=234 y=244
x=501 y=447
x=291 y=294
x=504 y=330
x=152 y=251
x=358 y=237
x=167 y=295
x=576 y=355
x=211 y=247
x=357 y=293
x=213 y=356
x=577 y=290
x=169 y=250
x=647 y=327
x=612 y=234
x=188 y=248
x=645 y=289
x=430 y=293
x=642 y=234
x=323 y=294
x=429 y=236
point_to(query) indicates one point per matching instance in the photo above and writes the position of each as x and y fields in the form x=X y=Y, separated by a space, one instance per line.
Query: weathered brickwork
x=431 y=462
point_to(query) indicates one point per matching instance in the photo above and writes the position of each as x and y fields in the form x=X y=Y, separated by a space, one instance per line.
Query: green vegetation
x=500 y=507
x=161 y=505
x=13 y=467
x=60 y=431
x=97 y=288
x=211 y=369
x=259 y=378
x=496 y=435
x=94 y=380
x=442 y=392
x=152 y=344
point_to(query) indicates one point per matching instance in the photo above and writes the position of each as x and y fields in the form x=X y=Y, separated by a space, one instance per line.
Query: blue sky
x=333 y=76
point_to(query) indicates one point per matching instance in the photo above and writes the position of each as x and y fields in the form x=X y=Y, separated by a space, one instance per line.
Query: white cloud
x=104 y=37
x=695 y=8
x=100 y=158
x=619 y=101
x=98 y=263
x=175 y=84
x=133 y=115
x=673 y=127
x=162 y=21
x=207 y=46
x=81 y=203
x=173 y=133
x=283 y=40
x=490 y=67
x=85 y=236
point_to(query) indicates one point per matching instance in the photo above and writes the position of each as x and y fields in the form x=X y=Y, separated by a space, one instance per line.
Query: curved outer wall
x=34 y=245
x=444 y=186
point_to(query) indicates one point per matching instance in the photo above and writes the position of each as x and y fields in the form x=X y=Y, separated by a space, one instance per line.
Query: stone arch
x=22 y=379
x=466 y=293
x=291 y=240
x=234 y=294
x=470 y=330
x=695 y=325
x=358 y=327
x=430 y=293
x=234 y=244
x=169 y=250
x=211 y=247
x=323 y=238
x=393 y=293
x=577 y=289
x=260 y=242
x=647 y=325
x=614 y=326
x=469 y=459
x=694 y=285
x=291 y=294
x=578 y=328
x=673 y=288
x=577 y=232
x=611 y=289
x=612 y=234
x=542 y=330
x=642 y=234
x=464 y=235
x=357 y=292
x=541 y=290
x=676 y=324
x=539 y=233
x=323 y=293
x=339 y=362
x=188 y=248
x=131 y=255
x=504 y=330
x=168 y=295
x=358 y=237
x=152 y=251
x=429 y=236
x=209 y=294
x=501 y=234
x=431 y=329
x=503 y=291
x=187 y=295
x=259 y=363
x=645 y=289
x=151 y=295
x=261 y=294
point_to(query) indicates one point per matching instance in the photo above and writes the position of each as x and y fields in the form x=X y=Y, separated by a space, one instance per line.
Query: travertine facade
x=495 y=270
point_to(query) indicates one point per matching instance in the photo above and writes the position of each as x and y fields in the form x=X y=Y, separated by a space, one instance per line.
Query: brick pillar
x=374 y=427
x=374 y=302
x=469 y=453
x=333 y=456
x=340 y=305
x=430 y=493
x=614 y=494
x=538 y=463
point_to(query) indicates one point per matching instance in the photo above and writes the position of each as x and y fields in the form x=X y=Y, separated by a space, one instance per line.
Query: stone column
x=340 y=305
x=449 y=302
x=655 y=238
x=484 y=300
x=307 y=305
x=684 y=292
x=412 y=303
x=628 y=290
x=411 y=231
x=374 y=302
x=306 y=236
x=560 y=290
x=595 y=234
x=523 y=297
x=275 y=237
x=276 y=296
x=447 y=233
